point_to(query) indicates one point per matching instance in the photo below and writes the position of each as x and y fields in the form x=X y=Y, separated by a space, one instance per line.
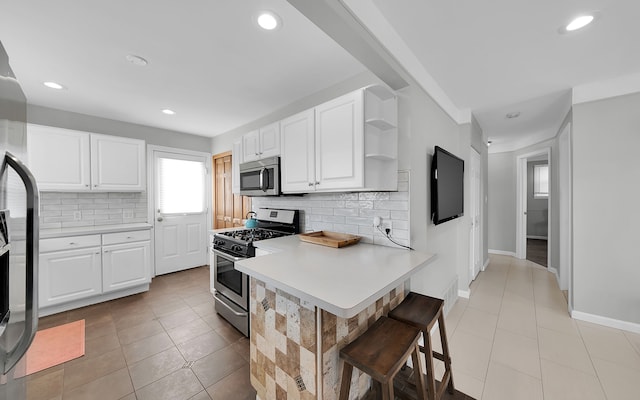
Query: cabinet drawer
x=69 y=243
x=125 y=237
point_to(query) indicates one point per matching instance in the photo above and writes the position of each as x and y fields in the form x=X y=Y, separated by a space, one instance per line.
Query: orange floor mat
x=55 y=346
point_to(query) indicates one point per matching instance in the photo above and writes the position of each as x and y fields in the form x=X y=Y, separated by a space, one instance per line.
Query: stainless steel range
x=231 y=287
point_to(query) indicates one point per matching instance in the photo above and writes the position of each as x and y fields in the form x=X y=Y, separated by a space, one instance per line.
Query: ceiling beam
x=346 y=30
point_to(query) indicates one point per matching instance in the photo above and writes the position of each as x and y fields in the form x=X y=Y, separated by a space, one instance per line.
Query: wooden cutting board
x=331 y=239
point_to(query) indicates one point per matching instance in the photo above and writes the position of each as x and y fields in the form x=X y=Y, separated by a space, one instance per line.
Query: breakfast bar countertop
x=342 y=281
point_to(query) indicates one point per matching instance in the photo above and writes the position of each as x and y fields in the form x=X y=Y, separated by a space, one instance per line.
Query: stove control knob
x=236 y=247
x=218 y=242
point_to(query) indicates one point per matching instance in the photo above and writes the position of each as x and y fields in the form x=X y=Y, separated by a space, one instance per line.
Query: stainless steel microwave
x=261 y=177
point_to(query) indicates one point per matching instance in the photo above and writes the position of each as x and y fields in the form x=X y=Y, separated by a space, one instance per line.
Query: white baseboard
x=464 y=293
x=486 y=264
x=606 y=321
x=502 y=252
x=537 y=237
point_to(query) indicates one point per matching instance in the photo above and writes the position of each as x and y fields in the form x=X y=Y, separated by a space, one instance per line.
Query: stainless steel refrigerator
x=18 y=238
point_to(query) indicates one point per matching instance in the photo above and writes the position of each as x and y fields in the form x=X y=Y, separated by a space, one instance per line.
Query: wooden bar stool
x=422 y=312
x=381 y=352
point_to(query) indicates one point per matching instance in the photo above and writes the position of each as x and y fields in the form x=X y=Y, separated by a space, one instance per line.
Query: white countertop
x=91 y=230
x=341 y=281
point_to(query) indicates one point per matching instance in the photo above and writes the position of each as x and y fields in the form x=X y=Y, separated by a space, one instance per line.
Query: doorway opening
x=534 y=206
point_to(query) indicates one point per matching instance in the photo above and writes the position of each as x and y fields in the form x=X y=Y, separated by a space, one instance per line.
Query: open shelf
x=380 y=123
x=380 y=156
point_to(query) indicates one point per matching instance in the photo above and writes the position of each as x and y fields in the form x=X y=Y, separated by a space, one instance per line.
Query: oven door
x=260 y=178
x=228 y=281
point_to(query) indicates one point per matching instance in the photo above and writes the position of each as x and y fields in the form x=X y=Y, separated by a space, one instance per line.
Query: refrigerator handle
x=33 y=233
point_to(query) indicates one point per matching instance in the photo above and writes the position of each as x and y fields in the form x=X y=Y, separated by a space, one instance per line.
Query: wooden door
x=229 y=208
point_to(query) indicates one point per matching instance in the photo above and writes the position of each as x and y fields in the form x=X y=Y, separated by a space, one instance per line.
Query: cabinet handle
x=72 y=243
x=317 y=183
x=310 y=183
x=87 y=185
x=128 y=237
x=95 y=185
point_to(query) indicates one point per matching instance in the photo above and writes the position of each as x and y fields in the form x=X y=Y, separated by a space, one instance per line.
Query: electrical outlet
x=376 y=221
x=77 y=215
x=386 y=225
x=127 y=214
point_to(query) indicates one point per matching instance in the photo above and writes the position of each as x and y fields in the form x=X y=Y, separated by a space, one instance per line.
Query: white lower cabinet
x=125 y=265
x=69 y=275
x=77 y=271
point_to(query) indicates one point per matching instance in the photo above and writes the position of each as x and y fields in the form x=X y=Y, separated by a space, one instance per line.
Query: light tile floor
x=167 y=343
x=513 y=339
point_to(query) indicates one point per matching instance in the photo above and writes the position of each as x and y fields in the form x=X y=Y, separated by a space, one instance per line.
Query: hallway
x=513 y=339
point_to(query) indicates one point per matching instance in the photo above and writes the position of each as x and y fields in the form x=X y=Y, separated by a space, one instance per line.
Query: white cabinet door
x=236 y=159
x=270 y=140
x=298 y=153
x=59 y=158
x=69 y=275
x=125 y=265
x=339 y=143
x=117 y=163
x=251 y=146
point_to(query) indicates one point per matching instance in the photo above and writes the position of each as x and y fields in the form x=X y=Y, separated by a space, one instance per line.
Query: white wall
x=502 y=202
x=88 y=123
x=606 y=217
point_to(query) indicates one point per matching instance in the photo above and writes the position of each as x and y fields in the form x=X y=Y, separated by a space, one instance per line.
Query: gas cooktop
x=272 y=223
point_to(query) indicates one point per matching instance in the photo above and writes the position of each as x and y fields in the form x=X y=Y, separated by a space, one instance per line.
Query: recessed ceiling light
x=513 y=115
x=579 y=22
x=269 y=21
x=168 y=112
x=53 y=85
x=136 y=60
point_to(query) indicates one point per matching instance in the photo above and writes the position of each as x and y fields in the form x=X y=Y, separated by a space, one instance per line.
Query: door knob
x=160 y=219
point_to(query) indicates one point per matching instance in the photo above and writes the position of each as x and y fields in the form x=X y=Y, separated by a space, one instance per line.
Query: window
x=541 y=181
x=181 y=185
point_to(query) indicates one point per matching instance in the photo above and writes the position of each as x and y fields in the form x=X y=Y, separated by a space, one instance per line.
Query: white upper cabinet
x=59 y=158
x=68 y=160
x=339 y=138
x=117 y=163
x=250 y=146
x=262 y=143
x=298 y=153
x=349 y=143
x=270 y=140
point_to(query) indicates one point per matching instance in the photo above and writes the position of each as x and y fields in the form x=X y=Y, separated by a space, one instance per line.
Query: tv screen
x=447 y=186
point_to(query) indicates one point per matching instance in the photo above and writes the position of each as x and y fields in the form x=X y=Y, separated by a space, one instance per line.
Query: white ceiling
x=208 y=60
x=213 y=66
x=501 y=56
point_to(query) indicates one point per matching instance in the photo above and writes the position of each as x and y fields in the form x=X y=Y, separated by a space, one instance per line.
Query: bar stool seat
x=422 y=312
x=381 y=352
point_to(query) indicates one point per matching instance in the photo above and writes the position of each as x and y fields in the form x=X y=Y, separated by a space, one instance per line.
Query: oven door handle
x=237 y=314
x=227 y=256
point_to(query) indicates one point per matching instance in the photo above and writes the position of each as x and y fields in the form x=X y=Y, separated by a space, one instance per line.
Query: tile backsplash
x=351 y=212
x=64 y=210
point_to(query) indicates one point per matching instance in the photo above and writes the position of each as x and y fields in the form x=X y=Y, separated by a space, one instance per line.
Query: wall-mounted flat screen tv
x=447 y=186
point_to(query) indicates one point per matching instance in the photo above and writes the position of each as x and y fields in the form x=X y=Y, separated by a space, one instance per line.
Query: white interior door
x=476 y=201
x=181 y=212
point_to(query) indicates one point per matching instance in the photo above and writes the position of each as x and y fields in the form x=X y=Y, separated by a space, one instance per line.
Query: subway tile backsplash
x=65 y=210
x=351 y=212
